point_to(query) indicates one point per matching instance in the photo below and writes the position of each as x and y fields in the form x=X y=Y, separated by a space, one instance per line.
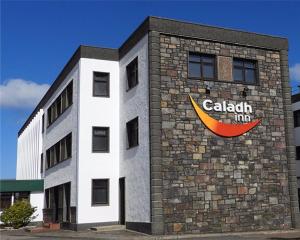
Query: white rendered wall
x=134 y=162
x=67 y=122
x=295 y=107
x=101 y=112
x=29 y=149
x=37 y=200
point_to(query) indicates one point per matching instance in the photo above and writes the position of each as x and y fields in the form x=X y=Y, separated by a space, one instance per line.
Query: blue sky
x=38 y=38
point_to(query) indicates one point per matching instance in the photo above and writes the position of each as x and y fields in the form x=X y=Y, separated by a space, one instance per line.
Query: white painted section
x=37 y=200
x=135 y=163
x=65 y=171
x=29 y=149
x=101 y=112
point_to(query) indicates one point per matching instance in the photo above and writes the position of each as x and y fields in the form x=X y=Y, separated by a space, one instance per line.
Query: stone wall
x=215 y=184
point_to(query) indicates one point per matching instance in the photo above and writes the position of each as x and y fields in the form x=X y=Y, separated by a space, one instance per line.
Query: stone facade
x=215 y=184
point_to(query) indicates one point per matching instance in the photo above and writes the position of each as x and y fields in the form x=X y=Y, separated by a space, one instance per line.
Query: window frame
x=108 y=140
x=129 y=65
x=52 y=112
x=127 y=131
x=93 y=204
x=245 y=60
x=107 y=86
x=201 y=63
x=50 y=163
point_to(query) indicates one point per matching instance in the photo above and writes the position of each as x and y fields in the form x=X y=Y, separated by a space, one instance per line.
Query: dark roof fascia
x=22 y=185
x=296 y=98
x=81 y=52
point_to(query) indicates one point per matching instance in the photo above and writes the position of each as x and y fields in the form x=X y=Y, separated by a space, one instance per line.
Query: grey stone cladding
x=215 y=184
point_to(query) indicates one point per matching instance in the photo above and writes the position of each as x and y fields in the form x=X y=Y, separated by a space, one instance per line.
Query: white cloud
x=19 y=93
x=295 y=72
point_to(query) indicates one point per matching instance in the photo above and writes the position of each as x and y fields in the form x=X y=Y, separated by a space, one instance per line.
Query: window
x=132 y=74
x=59 y=152
x=101 y=84
x=5 y=200
x=201 y=66
x=100 y=191
x=43 y=123
x=21 y=196
x=42 y=163
x=297 y=118
x=61 y=103
x=133 y=132
x=244 y=71
x=297 y=152
x=100 y=139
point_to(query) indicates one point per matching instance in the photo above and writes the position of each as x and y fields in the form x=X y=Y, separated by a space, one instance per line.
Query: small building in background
x=32 y=190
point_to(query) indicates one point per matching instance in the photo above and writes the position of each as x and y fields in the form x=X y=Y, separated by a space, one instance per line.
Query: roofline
x=81 y=52
x=166 y=26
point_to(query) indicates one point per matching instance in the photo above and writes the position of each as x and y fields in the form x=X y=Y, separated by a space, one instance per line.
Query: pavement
x=130 y=235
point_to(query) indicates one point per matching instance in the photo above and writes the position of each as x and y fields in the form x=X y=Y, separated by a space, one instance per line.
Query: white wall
x=29 y=149
x=37 y=200
x=101 y=112
x=65 y=171
x=134 y=162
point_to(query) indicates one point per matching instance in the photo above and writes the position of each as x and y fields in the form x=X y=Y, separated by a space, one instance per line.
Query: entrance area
x=122 y=200
x=57 y=203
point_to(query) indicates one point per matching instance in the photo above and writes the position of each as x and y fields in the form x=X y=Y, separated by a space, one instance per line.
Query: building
x=32 y=190
x=296 y=112
x=118 y=138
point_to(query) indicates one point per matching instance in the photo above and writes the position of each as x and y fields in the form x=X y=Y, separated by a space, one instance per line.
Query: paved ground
x=129 y=235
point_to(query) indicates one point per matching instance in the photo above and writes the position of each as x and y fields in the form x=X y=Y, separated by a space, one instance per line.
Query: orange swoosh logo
x=222 y=129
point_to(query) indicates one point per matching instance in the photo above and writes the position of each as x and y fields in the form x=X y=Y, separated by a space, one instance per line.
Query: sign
x=226 y=129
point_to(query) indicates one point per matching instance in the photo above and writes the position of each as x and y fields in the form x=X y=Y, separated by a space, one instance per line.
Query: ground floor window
x=100 y=192
x=5 y=200
x=21 y=196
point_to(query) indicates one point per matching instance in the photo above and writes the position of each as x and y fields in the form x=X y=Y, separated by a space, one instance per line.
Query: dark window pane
x=101 y=84
x=250 y=76
x=132 y=133
x=208 y=71
x=43 y=123
x=58 y=106
x=70 y=93
x=100 y=89
x=5 y=200
x=194 y=70
x=42 y=163
x=297 y=118
x=238 y=74
x=194 y=58
x=69 y=146
x=132 y=74
x=18 y=196
x=238 y=63
x=298 y=153
x=249 y=64
x=100 y=191
x=100 y=139
x=207 y=59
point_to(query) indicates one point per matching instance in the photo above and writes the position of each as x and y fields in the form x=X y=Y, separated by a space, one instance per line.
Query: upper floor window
x=297 y=118
x=202 y=66
x=100 y=191
x=59 y=152
x=133 y=132
x=132 y=74
x=101 y=84
x=100 y=139
x=43 y=123
x=297 y=152
x=42 y=163
x=61 y=103
x=244 y=71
